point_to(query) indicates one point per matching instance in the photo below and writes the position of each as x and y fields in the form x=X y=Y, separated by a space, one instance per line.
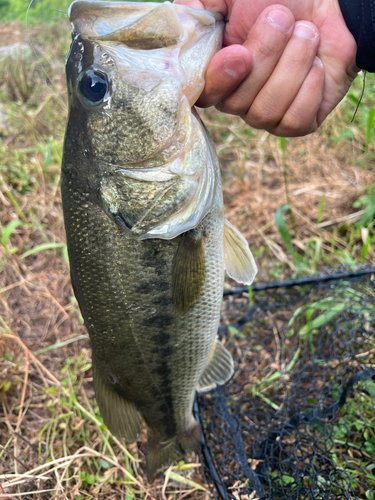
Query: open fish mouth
x=152 y=26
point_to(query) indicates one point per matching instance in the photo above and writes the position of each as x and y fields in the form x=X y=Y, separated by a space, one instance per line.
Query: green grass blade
x=283 y=228
x=267 y=401
x=369 y=214
x=320 y=209
x=366 y=244
x=7 y=231
x=61 y=344
x=293 y=361
x=65 y=254
x=41 y=248
x=184 y=480
x=370 y=122
x=322 y=319
x=17 y=208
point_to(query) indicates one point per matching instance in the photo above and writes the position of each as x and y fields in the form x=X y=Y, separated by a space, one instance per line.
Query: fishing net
x=297 y=421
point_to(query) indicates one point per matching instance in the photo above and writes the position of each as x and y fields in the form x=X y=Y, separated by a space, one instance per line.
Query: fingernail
x=305 y=31
x=279 y=19
x=235 y=67
x=318 y=62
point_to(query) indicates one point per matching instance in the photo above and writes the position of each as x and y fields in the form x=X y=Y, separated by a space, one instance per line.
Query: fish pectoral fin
x=219 y=369
x=189 y=272
x=119 y=415
x=161 y=453
x=238 y=260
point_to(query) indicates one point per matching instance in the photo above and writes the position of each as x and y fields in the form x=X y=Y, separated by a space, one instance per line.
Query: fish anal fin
x=219 y=369
x=119 y=415
x=189 y=272
x=238 y=259
x=162 y=452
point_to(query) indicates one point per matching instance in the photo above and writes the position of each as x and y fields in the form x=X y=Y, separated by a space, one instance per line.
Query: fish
x=147 y=240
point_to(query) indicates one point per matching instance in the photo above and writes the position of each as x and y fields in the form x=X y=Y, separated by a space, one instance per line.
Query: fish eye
x=93 y=86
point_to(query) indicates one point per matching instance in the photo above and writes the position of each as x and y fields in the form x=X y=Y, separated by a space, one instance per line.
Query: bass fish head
x=130 y=71
x=129 y=113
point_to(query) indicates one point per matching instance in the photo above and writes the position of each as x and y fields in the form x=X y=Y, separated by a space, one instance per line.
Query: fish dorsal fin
x=119 y=415
x=159 y=28
x=238 y=260
x=189 y=272
x=219 y=368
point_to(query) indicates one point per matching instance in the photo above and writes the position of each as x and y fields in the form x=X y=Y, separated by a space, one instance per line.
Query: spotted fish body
x=144 y=217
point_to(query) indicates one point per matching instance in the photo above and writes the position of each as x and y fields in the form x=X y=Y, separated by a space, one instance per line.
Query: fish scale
x=118 y=292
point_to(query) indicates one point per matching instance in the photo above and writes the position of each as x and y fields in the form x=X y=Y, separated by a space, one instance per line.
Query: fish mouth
x=197 y=34
x=158 y=29
x=159 y=24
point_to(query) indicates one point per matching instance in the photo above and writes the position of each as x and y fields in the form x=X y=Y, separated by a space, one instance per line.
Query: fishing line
x=58 y=94
x=361 y=97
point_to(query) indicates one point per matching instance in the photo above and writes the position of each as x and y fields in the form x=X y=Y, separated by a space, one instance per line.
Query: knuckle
x=293 y=126
x=262 y=116
x=267 y=50
x=206 y=101
x=231 y=106
x=298 y=59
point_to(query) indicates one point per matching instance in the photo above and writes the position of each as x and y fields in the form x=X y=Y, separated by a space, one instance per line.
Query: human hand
x=268 y=72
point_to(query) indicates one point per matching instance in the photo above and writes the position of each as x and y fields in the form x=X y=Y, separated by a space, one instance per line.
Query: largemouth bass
x=144 y=220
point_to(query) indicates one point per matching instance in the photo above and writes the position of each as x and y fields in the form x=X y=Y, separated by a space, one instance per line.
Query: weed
x=284 y=232
x=6 y=232
x=41 y=248
x=367 y=201
x=322 y=312
x=356 y=430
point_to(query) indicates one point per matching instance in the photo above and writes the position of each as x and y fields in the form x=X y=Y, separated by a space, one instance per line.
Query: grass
x=52 y=440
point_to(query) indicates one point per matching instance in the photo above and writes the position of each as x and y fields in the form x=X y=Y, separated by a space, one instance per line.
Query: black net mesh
x=297 y=421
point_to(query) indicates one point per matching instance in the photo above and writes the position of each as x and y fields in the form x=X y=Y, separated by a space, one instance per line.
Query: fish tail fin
x=191 y=439
x=162 y=452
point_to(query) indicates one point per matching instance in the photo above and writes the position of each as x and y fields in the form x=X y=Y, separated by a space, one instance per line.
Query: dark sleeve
x=359 y=16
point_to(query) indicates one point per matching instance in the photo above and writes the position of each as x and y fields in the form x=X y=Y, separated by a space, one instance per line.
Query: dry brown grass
x=52 y=441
